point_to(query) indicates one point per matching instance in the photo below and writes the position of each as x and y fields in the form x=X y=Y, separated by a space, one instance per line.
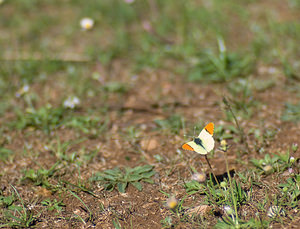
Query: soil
x=153 y=95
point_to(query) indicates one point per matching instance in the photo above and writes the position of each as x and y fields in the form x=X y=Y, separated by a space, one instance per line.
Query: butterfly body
x=204 y=143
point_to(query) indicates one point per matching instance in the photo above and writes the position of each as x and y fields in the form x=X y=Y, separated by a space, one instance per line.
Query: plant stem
x=231 y=189
x=90 y=212
x=241 y=131
x=212 y=171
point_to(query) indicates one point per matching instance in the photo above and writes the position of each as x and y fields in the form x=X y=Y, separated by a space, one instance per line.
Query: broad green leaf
x=148 y=174
x=6 y=200
x=113 y=172
x=108 y=177
x=15 y=208
x=121 y=178
x=134 y=177
x=138 y=185
x=148 y=180
x=122 y=187
x=142 y=169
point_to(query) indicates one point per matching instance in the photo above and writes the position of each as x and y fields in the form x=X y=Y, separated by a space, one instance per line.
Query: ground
x=93 y=120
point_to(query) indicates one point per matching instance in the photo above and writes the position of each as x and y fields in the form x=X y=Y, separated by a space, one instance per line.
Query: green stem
x=231 y=189
x=90 y=212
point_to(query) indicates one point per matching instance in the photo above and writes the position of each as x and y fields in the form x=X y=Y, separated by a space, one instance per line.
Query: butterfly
x=204 y=143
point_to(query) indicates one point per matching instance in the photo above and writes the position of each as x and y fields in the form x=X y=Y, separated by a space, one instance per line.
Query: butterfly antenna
x=187 y=136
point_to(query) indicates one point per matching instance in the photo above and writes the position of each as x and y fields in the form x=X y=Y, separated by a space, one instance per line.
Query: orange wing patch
x=187 y=147
x=210 y=128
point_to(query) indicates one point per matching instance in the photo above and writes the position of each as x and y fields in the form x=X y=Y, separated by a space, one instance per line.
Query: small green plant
x=291 y=112
x=174 y=123
x=193 y=187
x=228 y=222
x=80 y=186
x=115 y=87
x=219 y=196
x=242 y=99
x=291 y=71
x=45 y=118
x=222 y=67
x=116 y=177
x=6 y=201
x=243 y=138
x=225 y=132
x=53 y=205
x=18 y=216
x=62 y=152
x=116 y=223
x=167 y=222
x=48 y=118
x=5 y=154
x=268 y=165
x=60 y=149
x=86 y=124
x=30 y=71
x=40 y=177
x=263 y=138
x=176 y=207
x=262 y=205
x=261 y=85
x=240 y=87
x=132 y=133
x=87 y=208
x=291 y=191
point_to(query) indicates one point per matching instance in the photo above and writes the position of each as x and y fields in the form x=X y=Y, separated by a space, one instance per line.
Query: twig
x=212 y=171
x=241 y=131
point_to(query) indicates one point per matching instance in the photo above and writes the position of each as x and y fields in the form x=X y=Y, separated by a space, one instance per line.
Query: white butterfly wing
x=207 y=140
x=197 y=148
x=204 y=143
